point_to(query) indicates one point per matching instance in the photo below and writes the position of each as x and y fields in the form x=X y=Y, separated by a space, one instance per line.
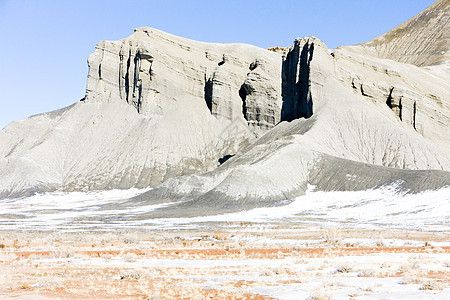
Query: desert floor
x=234 y=260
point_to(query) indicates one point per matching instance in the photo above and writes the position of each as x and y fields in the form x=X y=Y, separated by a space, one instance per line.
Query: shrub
x=432 y=285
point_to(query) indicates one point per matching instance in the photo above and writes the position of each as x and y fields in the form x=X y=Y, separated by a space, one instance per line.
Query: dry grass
x=367 y=273
x=344 y=268
x=432 y=285
x=320 y=295
x=175 y=265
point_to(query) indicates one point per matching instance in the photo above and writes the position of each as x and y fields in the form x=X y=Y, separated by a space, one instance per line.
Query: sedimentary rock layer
x=164 y=111
x=423 y=40
x=157 y=106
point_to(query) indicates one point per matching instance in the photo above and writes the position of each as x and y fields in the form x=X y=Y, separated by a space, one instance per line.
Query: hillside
x=424 y=40
x=237 y=124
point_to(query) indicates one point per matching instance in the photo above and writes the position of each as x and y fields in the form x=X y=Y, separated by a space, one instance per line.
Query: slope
x=159 y=108
x=424 y=40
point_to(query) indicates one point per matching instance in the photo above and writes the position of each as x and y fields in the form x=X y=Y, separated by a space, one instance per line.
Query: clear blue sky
x=45 y=43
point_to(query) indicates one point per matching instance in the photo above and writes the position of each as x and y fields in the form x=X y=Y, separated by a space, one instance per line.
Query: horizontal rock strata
x=233 y=125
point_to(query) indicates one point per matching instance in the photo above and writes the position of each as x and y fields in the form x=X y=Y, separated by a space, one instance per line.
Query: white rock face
x=163 y=111
x=157 y=106
x=158 y=73
x=351 y=123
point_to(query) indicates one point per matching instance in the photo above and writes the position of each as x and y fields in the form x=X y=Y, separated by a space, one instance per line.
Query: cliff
x=233 y=124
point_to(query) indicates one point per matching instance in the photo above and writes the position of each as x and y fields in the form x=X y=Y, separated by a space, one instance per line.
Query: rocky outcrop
x=416 y=97
x=233 y=125
x=356 y=138
x=157 y=106
x=423 y=40
x=156 y=72
x=297 y=99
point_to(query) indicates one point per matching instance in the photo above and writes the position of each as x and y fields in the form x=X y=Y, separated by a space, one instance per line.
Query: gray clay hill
x=233 y=126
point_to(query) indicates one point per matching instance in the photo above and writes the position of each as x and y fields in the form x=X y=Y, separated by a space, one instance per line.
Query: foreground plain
x=230 y=261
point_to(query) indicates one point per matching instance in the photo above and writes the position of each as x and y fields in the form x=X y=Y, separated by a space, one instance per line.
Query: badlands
x=194 y=170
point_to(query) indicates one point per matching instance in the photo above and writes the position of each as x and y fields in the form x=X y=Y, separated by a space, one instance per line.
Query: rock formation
x=157 y=106
x=422 y=41
x=231 y=125
x=353 y=140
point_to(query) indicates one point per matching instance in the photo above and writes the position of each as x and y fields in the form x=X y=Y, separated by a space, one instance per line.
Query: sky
x=45 y=43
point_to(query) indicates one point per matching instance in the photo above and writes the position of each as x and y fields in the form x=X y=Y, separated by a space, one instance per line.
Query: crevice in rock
x=150 y=71
x=414 y=115
x=121 y=72
x=225 y=158
x=127 y=78
x=397 y=109
x=224 y=60
x=362 y=91
x=311 y=52
x=139 y=99
x=243 y=95
x=296 y=83
x=253 y=66
x=136 y=82
x=100 y=71
x=208 y=92
x=389 y=98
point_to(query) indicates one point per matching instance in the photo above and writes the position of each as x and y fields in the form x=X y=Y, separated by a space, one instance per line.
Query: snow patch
x=376 y=208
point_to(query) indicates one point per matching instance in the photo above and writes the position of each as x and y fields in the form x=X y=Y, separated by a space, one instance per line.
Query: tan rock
x=424 y=40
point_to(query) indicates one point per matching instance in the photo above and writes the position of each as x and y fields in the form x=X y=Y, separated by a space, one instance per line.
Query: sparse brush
x=355 y=294
x=16 y=244
x=107 y=238
x=311 y=267
x=34 y=257
x=380 y=243
x=366 y=273
x=266 y=273
x=344 y=269
x=135 y=275
x=221 y=236
x=26 y=286
x=54 y=237
x=278 y=270
x=332 y=237
x=411 y=280
x=298 y=248
x=63 y=254
x=130 y=239
x=320 y=295
x=367 y=289
x=438 y=250
x=409 y=266
x=130 y=257
x=432 y=285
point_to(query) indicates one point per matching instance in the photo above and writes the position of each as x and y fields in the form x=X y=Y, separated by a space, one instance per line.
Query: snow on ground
x=374 y=244
x=290 y=274
x=384 y=207
x=378 y=208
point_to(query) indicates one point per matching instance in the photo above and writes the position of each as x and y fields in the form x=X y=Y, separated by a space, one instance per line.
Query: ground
x=235 y=260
